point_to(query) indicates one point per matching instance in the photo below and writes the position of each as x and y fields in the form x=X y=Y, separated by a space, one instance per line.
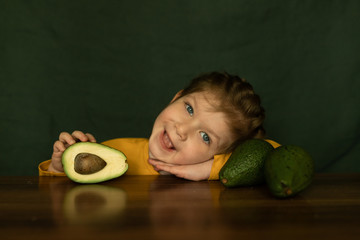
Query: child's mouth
x=166 y=141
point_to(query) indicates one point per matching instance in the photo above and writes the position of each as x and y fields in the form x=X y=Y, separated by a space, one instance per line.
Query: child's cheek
x=192 y=156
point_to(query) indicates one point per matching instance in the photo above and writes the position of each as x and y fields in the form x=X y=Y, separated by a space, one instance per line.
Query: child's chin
x=151 y=155
x=155 y=152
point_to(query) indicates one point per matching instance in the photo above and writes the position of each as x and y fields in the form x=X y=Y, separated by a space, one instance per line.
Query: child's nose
x=182 y=130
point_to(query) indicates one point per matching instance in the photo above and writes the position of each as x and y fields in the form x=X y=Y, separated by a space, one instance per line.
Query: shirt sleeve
x=43 y=170
x=136 y=151
x=220 y=160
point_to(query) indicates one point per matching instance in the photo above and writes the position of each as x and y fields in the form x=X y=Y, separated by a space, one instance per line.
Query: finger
x=175 y=170
x=156 y=162
x=90 y=137
x=59 y=147
x=66 y=137
x=56 y=161
x=152 y=161
x=79 y=135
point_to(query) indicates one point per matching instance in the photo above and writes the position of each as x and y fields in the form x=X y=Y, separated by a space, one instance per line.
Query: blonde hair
x=237 y=99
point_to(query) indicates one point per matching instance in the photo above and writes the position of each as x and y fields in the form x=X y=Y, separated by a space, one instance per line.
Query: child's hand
x=66 y=140
x=195 y=172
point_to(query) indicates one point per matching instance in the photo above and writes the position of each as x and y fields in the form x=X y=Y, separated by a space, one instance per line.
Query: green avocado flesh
x=246 y=163
x=289 y=169
x=87 y=162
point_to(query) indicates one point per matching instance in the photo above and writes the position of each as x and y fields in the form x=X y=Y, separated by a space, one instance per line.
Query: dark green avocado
x=289 y=169
x=246 y=163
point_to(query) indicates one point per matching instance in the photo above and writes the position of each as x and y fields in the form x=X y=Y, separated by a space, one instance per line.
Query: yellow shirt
x=137 y=152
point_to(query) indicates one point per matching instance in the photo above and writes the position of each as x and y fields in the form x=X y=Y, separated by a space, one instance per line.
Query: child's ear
x=178 y=94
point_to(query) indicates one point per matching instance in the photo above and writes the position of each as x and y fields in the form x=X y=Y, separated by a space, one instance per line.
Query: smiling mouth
x=166 y=142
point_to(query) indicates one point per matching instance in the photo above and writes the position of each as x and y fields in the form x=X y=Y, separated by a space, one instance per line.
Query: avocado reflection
x=72 y=203
x=186 y=205
x=86 y=204
x=255 y=206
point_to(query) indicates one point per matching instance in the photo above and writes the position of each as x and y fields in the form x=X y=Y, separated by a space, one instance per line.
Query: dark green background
x=109 y=67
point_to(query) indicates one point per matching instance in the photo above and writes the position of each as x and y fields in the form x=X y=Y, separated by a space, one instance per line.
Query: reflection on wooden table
x=165 y=207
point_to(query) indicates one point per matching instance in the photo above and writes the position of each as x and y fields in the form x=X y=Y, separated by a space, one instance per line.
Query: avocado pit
x=88 y=163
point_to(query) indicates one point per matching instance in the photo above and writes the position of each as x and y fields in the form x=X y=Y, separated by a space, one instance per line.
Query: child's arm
x=66 y=140
x=195 y=172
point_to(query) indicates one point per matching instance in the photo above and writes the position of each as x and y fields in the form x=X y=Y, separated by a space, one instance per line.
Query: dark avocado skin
x=246 y=163
x=288 y=169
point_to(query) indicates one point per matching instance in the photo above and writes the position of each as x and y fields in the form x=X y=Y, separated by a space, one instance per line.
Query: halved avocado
x=87 y=162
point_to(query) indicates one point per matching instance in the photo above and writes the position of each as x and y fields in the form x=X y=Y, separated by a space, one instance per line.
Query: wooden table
x=165 y=207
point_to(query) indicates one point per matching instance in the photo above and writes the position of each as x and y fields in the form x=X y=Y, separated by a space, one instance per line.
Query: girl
x=192 y=137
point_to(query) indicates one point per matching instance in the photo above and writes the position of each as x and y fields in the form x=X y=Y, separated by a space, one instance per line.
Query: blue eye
x=205 y=137
x=189 y=109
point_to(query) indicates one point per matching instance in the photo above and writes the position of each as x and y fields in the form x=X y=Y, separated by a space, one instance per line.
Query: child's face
x=188 y=131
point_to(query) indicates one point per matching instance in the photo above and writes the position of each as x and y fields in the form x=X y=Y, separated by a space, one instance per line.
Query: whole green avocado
x=288 y=169
x=246 y=163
